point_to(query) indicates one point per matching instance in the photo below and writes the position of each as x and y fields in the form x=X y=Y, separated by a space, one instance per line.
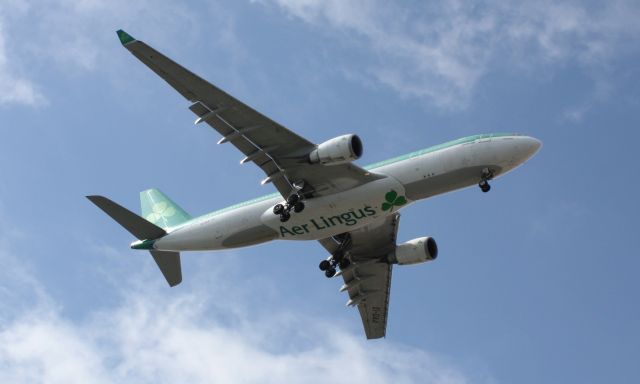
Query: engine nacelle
x=415 y=251
x=339 y=150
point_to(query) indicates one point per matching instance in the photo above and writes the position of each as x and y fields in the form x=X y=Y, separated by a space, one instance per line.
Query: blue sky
x=536 y=281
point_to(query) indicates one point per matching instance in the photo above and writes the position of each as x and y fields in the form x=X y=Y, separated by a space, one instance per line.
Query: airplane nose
x=528 y=147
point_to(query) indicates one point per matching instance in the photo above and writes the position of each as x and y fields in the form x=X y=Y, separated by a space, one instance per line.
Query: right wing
x=281 y=154
x=368 y=278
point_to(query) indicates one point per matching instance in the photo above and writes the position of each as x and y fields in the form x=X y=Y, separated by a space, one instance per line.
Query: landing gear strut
x=487 y=175
x=339 y=257
x=294 y=202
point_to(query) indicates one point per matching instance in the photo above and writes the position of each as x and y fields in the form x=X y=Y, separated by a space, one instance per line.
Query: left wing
x=368 y=278
x=280 y=153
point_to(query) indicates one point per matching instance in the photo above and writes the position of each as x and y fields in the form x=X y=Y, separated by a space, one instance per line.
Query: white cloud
x=439 y=52
x=13 y=87
x=73 y=36
x=436 y=52
x=575 y=114
x=202 y=334
x=441 y=60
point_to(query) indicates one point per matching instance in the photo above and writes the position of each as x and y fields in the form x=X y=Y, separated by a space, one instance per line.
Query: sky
x=535 y=281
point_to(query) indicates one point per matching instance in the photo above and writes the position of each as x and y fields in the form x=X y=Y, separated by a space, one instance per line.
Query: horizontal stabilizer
x=169 y=263
x=136 y=225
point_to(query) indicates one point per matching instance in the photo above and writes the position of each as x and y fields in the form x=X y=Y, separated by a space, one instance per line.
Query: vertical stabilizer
x=160 y=210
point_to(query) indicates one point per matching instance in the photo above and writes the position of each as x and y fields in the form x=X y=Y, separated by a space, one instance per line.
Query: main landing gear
x=339 y=258
x=487 y=175
x=294 y=202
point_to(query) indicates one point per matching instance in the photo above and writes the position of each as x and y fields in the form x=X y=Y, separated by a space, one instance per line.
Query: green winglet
x=125 y=38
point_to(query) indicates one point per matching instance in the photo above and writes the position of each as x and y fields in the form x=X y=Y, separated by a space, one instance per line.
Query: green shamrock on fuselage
x=393 y=200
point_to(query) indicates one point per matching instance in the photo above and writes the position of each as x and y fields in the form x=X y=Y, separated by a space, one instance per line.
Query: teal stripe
x=207 y=216
x=464 y=140
x=245 y=203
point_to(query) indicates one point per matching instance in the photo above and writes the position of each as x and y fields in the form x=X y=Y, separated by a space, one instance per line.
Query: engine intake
x=415 y=251
x=339 y=150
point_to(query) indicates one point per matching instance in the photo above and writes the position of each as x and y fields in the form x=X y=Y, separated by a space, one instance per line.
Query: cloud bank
x=199 y=335
x=14 y=88
x=439 y=52
x=71 y=36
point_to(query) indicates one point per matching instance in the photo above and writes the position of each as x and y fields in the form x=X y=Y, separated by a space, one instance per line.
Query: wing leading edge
x=279 y=152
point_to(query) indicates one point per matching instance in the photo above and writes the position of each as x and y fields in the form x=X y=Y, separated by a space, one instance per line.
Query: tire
x=293 y=199
x=330 y=272
x=324 y=265
x=486 y=188
x=278 y=209
x=285 y=216
x=298 y=207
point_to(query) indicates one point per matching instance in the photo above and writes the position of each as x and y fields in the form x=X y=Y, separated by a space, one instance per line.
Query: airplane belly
x=201 y=236
x=460 y=166
x=339 y=213
x=238 y=228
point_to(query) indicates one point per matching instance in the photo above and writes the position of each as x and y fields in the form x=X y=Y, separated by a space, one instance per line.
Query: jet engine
x=339 y=150
x=415 y=251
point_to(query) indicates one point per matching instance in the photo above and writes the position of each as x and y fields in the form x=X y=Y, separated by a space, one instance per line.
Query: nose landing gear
x=487 y=175
x=484 y=186
x=294 y=202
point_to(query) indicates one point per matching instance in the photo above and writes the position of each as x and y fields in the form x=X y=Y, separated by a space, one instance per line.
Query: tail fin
x=160 y=210
x=168 y=262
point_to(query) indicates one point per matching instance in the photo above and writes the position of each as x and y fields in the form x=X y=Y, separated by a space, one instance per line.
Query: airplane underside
x=322 y=194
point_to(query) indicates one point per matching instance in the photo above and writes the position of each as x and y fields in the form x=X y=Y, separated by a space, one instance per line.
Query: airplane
x=323 y=195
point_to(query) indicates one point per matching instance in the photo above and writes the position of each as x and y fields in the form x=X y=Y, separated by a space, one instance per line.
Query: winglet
x=124 y=37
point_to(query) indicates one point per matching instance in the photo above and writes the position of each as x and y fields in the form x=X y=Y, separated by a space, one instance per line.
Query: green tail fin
x=161 y=210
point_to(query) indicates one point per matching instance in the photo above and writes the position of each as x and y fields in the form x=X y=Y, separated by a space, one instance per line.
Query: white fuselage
x=444 y=168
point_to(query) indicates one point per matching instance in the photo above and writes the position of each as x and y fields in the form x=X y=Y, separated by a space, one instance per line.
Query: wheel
x=344 y=263
x=330 y=272
x=484 y=186
x=298 y=207
x=324 y=265
x=278 y=209
x=293 y=199
x=285 y=216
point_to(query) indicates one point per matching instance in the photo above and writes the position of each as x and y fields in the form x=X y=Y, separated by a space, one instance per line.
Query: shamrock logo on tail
x=393 y=200
x=160 y=210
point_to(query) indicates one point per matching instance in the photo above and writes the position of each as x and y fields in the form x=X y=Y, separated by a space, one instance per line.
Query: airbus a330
x=323 y=195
